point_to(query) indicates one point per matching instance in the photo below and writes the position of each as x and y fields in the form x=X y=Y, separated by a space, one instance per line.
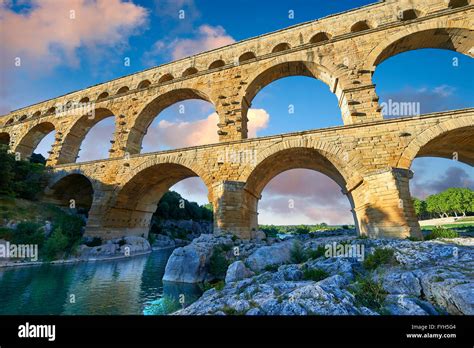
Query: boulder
x=237 y=271
x=270 y=255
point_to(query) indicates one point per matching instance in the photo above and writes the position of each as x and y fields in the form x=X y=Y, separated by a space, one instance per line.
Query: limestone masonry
x=369 y=157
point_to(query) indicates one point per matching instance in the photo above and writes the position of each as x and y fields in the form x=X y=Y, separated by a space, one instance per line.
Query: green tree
x=420 y=207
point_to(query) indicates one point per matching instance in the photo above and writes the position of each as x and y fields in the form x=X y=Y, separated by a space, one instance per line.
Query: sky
x=65 y=46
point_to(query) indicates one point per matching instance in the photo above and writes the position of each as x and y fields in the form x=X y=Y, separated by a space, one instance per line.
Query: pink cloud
x=206 y=38
x=51 y=31
x=182 y=134
x=315 y=198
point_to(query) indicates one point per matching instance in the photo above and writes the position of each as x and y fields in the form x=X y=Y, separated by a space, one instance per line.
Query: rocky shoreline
x=300 y=276
x=113 y=249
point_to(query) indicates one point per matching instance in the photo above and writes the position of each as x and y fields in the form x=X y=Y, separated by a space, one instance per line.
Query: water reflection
x=125 y=286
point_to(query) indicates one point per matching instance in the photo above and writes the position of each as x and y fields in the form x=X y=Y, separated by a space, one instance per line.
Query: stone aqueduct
x=369 y=157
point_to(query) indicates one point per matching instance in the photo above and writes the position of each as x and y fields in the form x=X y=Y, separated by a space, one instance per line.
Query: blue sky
x=65 y=58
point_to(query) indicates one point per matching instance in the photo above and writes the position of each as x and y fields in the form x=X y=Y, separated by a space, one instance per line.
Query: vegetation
x=297 y=254
x=369 y=293
x=441 y=232
x=453 y=201
x=174 y=207
x=21 y=178
x=272 y=230
x=314 y=254
x=379 y=257
x=315 y=274
x=218 y=263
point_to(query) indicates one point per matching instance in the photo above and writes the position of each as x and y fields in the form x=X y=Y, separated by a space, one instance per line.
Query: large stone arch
x=133 y=203
x=427 y=35
x=279 y=68
x=71 y=189
x=450 y=139
x=76 y=134
x=32 y=137
x=291 y=154
x=152 y=108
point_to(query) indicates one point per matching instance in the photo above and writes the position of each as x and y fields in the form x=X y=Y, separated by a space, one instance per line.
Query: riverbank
x=114 y=249
x=328 y=275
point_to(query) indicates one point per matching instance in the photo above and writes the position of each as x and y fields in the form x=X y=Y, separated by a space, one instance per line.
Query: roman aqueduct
x=369 y=157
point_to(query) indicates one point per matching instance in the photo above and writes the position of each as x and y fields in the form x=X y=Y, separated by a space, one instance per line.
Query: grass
x=451 y=226
x=369 y=293
x=297 y=254
x=441 y=232
x=315 y=274
x=379 y=257
x=317 y=253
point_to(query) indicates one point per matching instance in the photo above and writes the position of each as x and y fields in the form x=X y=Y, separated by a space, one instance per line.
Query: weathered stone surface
x=368 y=156
x=270 y=255
x=190 y=264
x=237 y=271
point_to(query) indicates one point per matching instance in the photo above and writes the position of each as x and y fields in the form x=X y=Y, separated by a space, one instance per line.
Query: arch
x=103 y=95
x=136 y=201
x=123 y=90
x=292 y=155
x=4 y=138
x=320 y=37
x=50 y=111
x=190 y=71
x=456 y=39
x=152 y=109
x=10 y=121
x=269 y=74
x=144 y=84
x=32 y=138
x=36 y=114
x=247 y=56
x=22 y=118
x=448 y=139
x=71 y=186
x=360 y=26
x=84 y=100
x=166 y=78
x=284 y=46
x=76 y=134
x=410 y=14
x=216 y=64
x=457 y=3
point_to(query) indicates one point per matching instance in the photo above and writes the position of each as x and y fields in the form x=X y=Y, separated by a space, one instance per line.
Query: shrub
x=302 y=229
x=151 y=238
x=297 y=253
x=441 y=232
x=28 y=233
x=55 y=244
x=378 y=257
x=271 y=268
x=315 y=274
x=218 y=264
x=122 y=242
x=6 y=233
x=314 y=254
x=369 y=293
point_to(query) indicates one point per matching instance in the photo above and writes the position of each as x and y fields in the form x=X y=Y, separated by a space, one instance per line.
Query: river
x=127 y=286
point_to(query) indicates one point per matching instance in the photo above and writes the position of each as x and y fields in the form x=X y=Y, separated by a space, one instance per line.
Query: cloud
x=204 y=39
x=314 y=198
x=439 y=98
x=50 y=32
x=176 y=134
x=452 y=177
